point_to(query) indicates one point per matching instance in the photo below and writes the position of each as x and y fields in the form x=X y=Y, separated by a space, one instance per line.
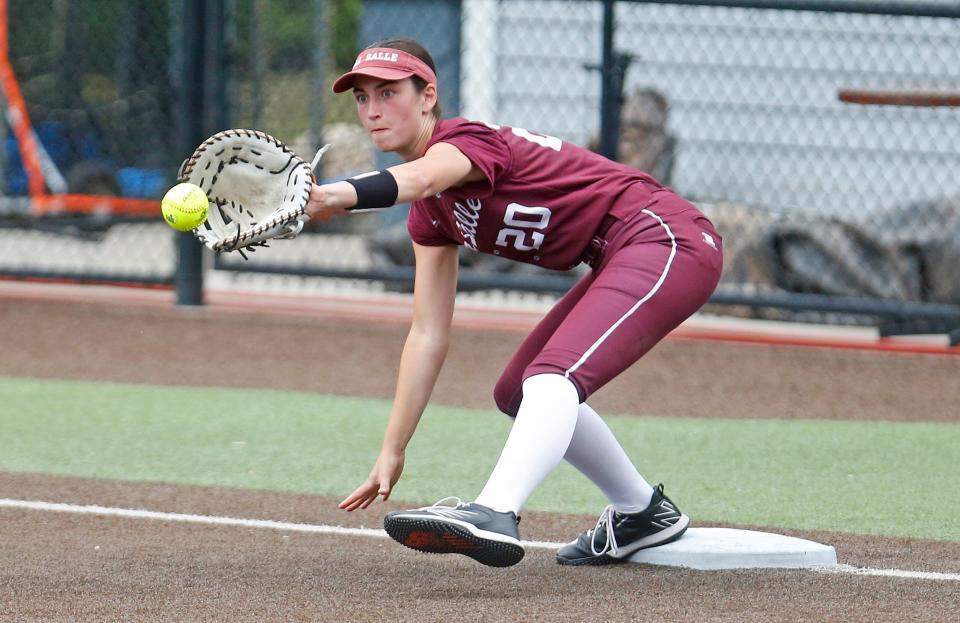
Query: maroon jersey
x=541 y=202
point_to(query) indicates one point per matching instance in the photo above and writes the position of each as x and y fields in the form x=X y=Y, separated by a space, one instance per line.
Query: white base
x=726 y=548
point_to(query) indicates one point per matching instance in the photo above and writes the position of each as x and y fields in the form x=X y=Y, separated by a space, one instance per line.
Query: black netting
x=736 y=108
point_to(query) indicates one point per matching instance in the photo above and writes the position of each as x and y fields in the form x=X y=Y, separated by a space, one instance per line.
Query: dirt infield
x=101 y=342
x=60 y=567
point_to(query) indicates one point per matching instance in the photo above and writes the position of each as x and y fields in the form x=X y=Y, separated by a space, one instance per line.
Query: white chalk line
x=890 y=573
x=286 y=526
x=131 y=513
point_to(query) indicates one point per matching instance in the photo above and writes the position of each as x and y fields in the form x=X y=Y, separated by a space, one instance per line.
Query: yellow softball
x=184 y=207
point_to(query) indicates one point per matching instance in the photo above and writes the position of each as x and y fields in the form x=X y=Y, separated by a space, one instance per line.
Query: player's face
x=389 y=111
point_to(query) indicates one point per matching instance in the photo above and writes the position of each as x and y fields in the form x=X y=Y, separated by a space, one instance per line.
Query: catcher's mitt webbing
x=257 y=188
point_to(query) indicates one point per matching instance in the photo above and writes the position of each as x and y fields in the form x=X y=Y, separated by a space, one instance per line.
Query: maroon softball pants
x=652 y=268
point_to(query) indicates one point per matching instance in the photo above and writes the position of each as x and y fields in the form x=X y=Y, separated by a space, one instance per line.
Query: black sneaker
x=617 y=535
x=474 y=530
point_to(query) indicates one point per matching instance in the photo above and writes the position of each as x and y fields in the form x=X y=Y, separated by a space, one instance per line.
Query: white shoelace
x=457 y=503
x=606 y=517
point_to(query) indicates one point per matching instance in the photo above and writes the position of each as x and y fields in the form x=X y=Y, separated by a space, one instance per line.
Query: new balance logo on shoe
x=617 y=535
x=668 y=516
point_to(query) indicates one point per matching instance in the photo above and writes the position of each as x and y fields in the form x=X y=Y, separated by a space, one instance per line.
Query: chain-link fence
x=86 y=147
x=829 y=210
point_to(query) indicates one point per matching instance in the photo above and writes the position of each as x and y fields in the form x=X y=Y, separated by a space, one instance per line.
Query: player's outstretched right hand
x=386 y=472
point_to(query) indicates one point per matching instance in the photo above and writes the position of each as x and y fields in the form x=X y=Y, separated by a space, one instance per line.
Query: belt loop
x=594 y=251
x=602 y=246
x=593 y=254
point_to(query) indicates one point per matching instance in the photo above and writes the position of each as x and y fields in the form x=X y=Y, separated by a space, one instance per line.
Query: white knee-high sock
x=597 y=454
x=536 y=444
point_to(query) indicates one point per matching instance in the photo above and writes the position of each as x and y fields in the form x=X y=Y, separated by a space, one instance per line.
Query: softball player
x=531 y=198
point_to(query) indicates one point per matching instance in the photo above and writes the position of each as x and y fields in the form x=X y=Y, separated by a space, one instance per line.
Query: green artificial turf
x=883 y=478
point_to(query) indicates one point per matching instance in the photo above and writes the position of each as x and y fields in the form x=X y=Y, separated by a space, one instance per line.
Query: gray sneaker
x=474 y=530
x=617 y=535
